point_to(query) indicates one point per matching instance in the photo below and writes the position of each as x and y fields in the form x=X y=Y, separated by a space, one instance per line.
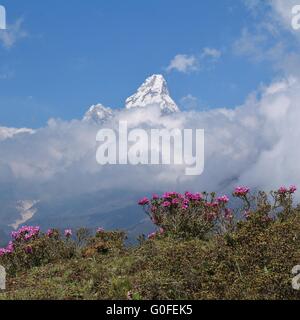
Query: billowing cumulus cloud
x=183 y=63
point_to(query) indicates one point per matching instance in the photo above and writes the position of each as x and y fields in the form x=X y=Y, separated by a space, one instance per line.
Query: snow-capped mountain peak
x=98 y=113
x=154 y=91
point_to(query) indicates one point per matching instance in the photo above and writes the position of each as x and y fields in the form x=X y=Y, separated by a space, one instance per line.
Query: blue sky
x=68 y=55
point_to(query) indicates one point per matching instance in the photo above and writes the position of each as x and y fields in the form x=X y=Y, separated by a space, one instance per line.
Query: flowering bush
x=188 y=214
x=29 y=247
x=201 y=214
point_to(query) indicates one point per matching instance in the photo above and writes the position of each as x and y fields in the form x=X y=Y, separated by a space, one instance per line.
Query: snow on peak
x=27 y=210
x=98 y=113
x=154 y=91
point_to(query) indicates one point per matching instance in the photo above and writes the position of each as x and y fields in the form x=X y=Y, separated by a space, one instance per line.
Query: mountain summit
x=154 y=91
x=98 y=114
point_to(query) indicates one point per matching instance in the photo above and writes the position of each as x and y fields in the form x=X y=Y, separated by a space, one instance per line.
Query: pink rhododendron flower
x=166 y=204
x=282 y=190
x=3 y=252
x=223 y=199
x=293 y=189
x=25 y=233
x=152 y=235
x=50 y=233
x=100 y=230
x=169 y=195
x=175 y=201
x=212 y=204
x=193 y=196
x=241 y=191
x=68 y=233
x=143 y=201
x=8 y=250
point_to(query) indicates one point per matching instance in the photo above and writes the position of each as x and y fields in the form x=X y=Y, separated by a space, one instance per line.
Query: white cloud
x=183 y=63
x=189 y=102
x=282 y=10
x=269 y=37
x=211 y=53
x=189 y=63
x=12 y=34
x=259 y=45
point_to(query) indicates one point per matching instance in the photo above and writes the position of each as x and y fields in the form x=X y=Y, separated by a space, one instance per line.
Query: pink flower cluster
x=241 y=191
x=100 y=230
x=143 y=201
x=153 y=235
x=25 y=233
x=50 y=233
x=223 y=199
x=8 y=250
x=68 y=233
x=171 y=200
x=284 y=190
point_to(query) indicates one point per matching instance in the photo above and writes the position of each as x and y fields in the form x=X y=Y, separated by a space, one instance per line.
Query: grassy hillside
x=198 y=252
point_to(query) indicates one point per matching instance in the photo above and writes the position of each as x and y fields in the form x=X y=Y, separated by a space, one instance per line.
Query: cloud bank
x=254 y=144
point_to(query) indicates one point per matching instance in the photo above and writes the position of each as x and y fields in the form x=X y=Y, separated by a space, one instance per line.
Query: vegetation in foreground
x=200 y=250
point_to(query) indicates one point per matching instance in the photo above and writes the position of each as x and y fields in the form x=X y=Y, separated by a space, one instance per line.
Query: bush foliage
x=201 y=249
